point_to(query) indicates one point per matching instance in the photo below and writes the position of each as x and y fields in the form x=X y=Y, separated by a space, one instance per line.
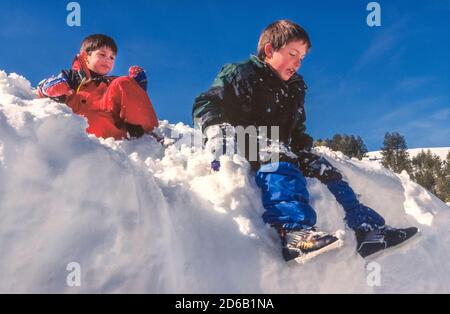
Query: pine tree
x=319 y=142
x=443 y=184
x=427 y=169
x=349 y=145
x=360 y=148
x=395 y=154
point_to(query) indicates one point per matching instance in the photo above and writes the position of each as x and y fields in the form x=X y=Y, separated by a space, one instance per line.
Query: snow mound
x=441 y=152
x=137 y=217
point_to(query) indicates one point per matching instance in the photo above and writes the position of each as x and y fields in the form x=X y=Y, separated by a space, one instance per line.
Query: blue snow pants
x=286 y=199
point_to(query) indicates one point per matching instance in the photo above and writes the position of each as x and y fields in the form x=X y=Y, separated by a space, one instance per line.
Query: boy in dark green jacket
x=262 y=99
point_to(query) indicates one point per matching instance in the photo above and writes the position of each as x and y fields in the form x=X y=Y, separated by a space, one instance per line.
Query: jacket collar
x=272 y=73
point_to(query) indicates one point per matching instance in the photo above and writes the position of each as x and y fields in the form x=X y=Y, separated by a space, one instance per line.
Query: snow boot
x=304 y=244
x=371 y=240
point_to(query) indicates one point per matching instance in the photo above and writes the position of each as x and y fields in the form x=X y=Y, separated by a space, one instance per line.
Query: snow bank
x=441 y=152
x=140 y=218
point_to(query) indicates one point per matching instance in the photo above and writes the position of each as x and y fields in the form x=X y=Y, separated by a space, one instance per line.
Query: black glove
x=315 y=166
x=304 y=142
x=134 y=131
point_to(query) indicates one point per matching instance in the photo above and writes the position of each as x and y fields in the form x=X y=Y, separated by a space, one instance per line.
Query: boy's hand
x=304 y=142
x=221 y=141
x=138 y=74
x=55 y=87
x=135 y=70
x=215 y=165
x=316 y=166
x=134 y=130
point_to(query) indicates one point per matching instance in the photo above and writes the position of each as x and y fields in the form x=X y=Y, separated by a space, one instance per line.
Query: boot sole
x=308 y=256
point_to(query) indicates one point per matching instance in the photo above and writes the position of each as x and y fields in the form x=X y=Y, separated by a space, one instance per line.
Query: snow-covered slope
x=442 y=152
x=140 y=218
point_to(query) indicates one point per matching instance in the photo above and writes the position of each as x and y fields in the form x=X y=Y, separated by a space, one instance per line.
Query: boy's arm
x=300 y=139
x=55 y=87
x=209 y=114
x=66 y=83
x=209 y=107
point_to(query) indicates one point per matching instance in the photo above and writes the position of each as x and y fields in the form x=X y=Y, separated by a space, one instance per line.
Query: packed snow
x=139 y=217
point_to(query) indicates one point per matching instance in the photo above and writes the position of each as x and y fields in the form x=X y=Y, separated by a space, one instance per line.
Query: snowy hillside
x=138 y=218
x=413 y=152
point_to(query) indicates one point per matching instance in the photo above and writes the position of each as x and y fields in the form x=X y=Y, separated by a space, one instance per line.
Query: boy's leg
x=372 y=235
x=286 y=201
x=101 y=124
x=130 y=103
x=356 y=214
x=285 y=196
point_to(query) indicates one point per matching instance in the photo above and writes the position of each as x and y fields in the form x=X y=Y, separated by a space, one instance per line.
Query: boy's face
x=287 y=60
x=100 y=61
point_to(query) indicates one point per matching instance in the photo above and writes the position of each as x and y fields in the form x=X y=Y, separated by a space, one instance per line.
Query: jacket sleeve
x=57 y=87
x=209 y=107
x=300 y=139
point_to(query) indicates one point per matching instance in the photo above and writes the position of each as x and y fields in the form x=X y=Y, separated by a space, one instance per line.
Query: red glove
x=138 y=74
x=54 y=87
x=135 y=70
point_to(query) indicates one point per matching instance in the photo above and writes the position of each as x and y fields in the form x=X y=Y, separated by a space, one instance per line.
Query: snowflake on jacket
x=252 y=94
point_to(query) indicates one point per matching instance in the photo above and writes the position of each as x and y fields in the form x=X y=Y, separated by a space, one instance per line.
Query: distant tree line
x=349 y=145
x=427 y=169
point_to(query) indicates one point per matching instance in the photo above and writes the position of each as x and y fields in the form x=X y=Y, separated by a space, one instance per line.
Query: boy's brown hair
x=281 y=33
x=97 y=41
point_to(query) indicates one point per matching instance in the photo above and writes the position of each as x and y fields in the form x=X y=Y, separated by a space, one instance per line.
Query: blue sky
x=362 y=80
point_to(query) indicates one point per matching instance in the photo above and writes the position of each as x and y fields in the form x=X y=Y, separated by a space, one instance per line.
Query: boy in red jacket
x=117 y=107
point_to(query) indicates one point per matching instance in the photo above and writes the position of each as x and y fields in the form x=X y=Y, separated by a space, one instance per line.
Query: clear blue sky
x=362 y=80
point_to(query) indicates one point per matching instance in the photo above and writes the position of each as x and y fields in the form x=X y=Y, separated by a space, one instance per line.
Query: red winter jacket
x=120 y=101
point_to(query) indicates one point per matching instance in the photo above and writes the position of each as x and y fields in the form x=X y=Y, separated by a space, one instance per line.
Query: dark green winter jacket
x=251 y=93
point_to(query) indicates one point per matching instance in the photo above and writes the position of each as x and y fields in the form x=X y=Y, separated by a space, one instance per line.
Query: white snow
x=413 y=152
x=140 y=218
